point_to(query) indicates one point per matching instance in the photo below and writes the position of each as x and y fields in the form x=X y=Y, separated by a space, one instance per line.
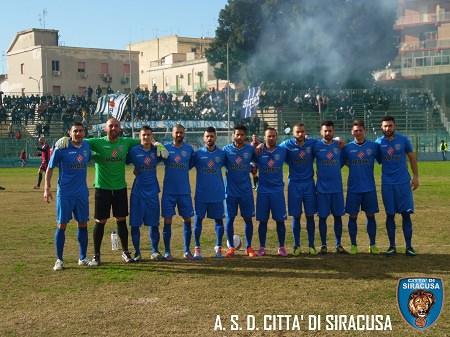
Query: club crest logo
x=330 y=155
x=308 y=149
x=79 y=158
x=246 y=155
x=390 y=151
x=211 y=164
x=217 y=159
x=114 y=154
x=369 y=152
x=420 y=301
x=177 y=159
x=302 y=154
x=361 y=155
x=238 y=160
x=277 y=157
x=147 y=161
x=271 y=163
x=336 y=150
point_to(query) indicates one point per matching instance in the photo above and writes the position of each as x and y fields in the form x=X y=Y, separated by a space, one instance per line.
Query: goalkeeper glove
x=161 y=151
x=62 y=143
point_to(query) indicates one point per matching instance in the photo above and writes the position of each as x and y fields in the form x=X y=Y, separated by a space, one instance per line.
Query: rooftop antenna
x=41 y=17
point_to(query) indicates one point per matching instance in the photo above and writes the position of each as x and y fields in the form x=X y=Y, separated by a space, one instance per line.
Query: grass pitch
x=183 y=298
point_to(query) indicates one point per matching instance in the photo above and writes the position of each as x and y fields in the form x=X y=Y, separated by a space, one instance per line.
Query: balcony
x=426 y=44
x=422 y=19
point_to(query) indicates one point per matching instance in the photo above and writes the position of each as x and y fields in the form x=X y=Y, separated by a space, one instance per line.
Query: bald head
x=112 y=128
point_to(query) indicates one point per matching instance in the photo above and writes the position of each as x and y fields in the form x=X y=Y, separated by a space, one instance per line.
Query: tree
x=307 y=42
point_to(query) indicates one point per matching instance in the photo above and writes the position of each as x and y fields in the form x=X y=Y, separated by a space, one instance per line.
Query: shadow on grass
x=331 y=266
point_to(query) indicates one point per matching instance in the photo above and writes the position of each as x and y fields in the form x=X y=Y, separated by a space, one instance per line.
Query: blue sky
x=109 y=24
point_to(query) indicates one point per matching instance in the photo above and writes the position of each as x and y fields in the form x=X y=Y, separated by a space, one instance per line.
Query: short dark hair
x=388 y=119
x=241 y=128
x=271 y=129
x=298 y=125
x=327 y=123
x=77 y=124
x=178 y=126
x=210 y=129
x=146 y=127
x=358 y=122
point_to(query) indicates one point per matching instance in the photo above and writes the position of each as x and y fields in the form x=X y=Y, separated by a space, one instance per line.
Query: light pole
x=38 y=81
x=228 y=92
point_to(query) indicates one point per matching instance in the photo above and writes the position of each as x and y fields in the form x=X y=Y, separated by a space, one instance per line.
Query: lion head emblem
x=419 y=304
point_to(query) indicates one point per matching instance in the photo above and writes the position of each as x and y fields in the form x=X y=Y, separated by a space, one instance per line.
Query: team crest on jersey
x=80 y=158
x=390 y=151
x=271 y=163
x=361 y=155
x=308 y=150
x=147 y=161
x=85 y=153
x=177 y=159
x=330 y=155
x=114 y=154
x=238 y=160
x=184 y=153
x=211 y=164
x=420 y=301
x=120 y=148
x=302 y=154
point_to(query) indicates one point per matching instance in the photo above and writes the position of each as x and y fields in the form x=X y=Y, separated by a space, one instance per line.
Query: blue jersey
x=329 y=163
x=178 y=164
x=360 y=159
x=393 y=159
x=146 y=183
x=270 y=164
x=72 y=164
x=238 y=169
x=300 y=160
x=209 y=185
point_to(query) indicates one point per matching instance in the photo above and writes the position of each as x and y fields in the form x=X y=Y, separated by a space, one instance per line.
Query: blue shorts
x=270 y=202
x=213 y=210
x=367 y=201
x=66 y=206
x=182 y=201
x=245 y=203
x=144 y=210
x=301 y=193
x=397 y=198
x=330 y=203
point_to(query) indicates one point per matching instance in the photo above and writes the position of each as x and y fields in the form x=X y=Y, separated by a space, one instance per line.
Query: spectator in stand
x=90 y=91
x=23 y=158
x=98 y=91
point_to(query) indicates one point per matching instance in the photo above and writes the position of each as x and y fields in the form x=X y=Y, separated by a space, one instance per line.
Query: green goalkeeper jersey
x=110 y=160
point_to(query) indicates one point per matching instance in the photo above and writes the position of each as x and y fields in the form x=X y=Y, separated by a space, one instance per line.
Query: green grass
x=182 y=299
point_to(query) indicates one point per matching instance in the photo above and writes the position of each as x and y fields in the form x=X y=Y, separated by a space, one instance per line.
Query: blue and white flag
x=112 y=105
x=250 y=103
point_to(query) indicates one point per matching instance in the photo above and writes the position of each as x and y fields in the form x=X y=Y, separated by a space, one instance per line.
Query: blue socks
x=219 y=232
x=167 y=235
x=371 y=229
x=262 y=232
x=311 y=228
x=390 y=227
x=197 y=230
x=281 y=232
x=82 y=236
x=407 y=228
x=153 y=233
x=338 y=229
x=352 y=229
x=187 y=234
x=248 y=231
x=296 y=230
x=229 y=227
x=136 y=239
x=60 y=238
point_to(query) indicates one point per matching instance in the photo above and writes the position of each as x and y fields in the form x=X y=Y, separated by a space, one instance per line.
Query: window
x=56 y=90
x=81 y=67
x=445 y=59
x=420 y=61
x=22 y=67
x=55 y=65
x=193 y=50
x=104 y=68
x=126 y=69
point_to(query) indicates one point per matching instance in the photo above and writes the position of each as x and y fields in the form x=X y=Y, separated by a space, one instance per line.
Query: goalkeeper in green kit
x=110 y=153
